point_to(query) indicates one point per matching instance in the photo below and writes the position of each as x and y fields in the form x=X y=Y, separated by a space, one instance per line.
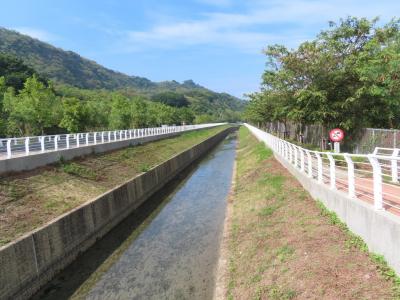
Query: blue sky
x=217 y=43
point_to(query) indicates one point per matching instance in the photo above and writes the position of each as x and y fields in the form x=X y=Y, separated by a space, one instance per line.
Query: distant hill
x=67 y=67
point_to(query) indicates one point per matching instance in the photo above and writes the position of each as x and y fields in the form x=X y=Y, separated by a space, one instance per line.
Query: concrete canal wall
x=29 y=262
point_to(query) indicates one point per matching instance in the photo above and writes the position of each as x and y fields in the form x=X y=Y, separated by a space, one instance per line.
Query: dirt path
x=281 y=244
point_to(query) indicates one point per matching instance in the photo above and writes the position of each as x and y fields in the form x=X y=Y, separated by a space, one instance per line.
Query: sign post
x=336 y=136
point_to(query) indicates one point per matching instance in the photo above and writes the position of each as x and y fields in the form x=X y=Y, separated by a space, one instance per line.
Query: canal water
x=169 y=250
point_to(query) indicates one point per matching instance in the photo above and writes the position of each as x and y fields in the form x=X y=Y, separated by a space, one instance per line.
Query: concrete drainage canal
x=166 y=249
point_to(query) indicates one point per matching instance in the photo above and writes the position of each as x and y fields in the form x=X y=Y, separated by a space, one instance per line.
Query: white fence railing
x=373 y=178
x=14 y=147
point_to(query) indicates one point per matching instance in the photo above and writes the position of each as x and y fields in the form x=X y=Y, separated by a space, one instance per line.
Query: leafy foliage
x=347 y=77
x=15 y=72
x=33 y=110
x=171 y=99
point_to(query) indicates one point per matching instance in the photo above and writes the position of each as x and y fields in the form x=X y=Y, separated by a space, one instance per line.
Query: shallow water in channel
x=174 y=256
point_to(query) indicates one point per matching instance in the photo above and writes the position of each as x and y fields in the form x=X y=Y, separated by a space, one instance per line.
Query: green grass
x=30 y=199
x=267 y=211
x=273 y=226
x=79 y=170
x=356 y=241
x=262 y=152
x=284 y=253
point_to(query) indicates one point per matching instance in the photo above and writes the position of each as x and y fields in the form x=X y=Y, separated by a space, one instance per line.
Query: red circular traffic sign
x=336 y=135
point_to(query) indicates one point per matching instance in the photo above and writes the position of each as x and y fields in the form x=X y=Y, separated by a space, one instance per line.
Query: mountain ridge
x=68 y=67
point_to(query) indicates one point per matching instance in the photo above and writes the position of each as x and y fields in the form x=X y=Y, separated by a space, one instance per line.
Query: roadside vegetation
x=31 y=104
x=30 y=199
x=284 y=245
x=346 y=77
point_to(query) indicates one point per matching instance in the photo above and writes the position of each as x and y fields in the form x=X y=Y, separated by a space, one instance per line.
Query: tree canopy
x=347 y=77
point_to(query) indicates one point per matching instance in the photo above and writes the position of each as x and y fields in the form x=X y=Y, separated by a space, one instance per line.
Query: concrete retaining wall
x=379 y=229
x=33 y=161
x=31 y=261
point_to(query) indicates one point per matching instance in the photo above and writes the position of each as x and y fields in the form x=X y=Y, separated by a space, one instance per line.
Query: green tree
x=140 y=114
x=346 y=77
x=73 y=115
x=185 y=115
x=171 y=99
x=15 y=72
x=33 y=110
x=3 y=116
x=120 y=114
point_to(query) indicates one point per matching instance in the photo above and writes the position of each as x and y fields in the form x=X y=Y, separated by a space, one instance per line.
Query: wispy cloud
x=259 y=23
x=218 y=3
x=37 y=34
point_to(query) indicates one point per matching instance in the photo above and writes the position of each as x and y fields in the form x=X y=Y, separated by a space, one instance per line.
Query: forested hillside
x=32 y=105
x=45 y=90
x=66 y=67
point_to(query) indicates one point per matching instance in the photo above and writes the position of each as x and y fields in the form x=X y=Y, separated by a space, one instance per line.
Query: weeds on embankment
x=282 y=245
x=354 y=240
x=30 y=199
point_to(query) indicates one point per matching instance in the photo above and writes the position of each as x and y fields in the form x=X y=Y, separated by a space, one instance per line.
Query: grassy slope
x=283 y=245
x=29 y=200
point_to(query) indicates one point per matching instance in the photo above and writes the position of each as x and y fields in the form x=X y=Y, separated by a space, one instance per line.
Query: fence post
x=77 y=140
x=296 y=156
x=87 y=138
x=394 y=164
x=377 y=174
x=27 y=145
x=350 y=175
x=42 y=143
x=115 y=135
x=283 y=149
x=67 y=141
x=332 y=171
x=319 y=162
x=301 y=160
x=290 y=153
x=9 y=148
x=56 y=142
x=95 y=138
x=287 y=151
x=309 y=163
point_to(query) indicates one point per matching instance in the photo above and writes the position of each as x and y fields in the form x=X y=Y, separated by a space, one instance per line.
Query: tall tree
x=73 y=115
x=33 y=110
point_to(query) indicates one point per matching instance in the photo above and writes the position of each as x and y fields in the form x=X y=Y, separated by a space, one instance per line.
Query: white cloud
x=37 y=34
x=219 y=3
x=261 y=23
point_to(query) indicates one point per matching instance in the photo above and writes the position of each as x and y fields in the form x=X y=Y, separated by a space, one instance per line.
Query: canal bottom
x=166 y=249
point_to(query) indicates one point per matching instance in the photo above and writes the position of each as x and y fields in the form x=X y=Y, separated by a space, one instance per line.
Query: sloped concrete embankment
x=31 y=261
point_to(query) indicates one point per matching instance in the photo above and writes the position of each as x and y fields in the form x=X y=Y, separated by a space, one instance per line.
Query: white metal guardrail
x=24 y=146
x=373 y=177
